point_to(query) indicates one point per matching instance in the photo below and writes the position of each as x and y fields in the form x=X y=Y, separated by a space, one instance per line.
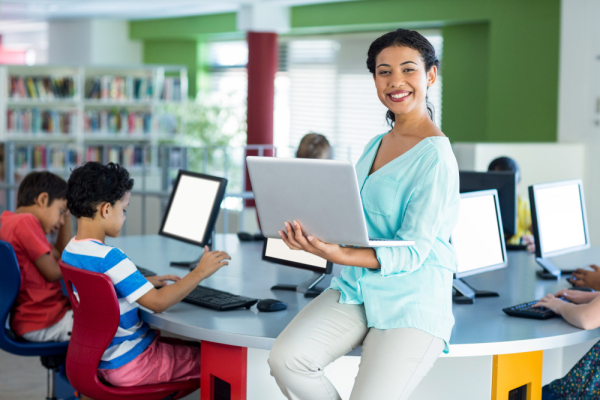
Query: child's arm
x=64 y=235
x=584 y=316
x=161 y=300
x=48 y=267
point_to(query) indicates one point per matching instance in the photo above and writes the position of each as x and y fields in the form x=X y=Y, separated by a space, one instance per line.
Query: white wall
x=539 y=162
x=111 y=44
x=92 y=42
x=579 y=94
x=69 y=42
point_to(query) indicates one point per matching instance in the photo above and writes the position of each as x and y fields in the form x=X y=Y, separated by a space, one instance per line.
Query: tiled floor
x=21 y=378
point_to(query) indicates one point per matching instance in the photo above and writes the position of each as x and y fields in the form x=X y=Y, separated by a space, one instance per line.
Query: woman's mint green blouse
x=413 y=197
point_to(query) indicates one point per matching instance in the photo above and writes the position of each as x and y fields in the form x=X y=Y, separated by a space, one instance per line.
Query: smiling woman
x=393 y=301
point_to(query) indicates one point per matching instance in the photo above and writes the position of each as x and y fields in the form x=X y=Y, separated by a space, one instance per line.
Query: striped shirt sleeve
x=128 y=281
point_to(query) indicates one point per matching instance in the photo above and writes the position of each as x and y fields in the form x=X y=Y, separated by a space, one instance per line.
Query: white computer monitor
x=275 y=250
x=478 y=238
x=193 y=208
x=558 y=218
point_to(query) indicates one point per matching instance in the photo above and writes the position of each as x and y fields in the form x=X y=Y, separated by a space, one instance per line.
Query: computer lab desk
x=490 y=352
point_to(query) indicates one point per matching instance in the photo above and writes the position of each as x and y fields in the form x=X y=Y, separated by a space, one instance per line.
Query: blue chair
x=52 y=354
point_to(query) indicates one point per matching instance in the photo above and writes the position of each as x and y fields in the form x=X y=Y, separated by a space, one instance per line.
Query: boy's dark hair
x=314 y=145
x=93 y=184
x=505 y=164
x=36 y=183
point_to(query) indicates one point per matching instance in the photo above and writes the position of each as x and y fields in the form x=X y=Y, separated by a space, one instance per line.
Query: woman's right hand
x=211 y=262
x=576 y=296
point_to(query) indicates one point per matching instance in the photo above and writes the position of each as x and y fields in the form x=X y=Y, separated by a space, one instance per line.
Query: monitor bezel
x=327 y=270
x=539 y=251
x=214 y=213
x=493 y=267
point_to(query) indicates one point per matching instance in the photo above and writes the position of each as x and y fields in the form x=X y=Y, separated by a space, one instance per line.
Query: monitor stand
x=465 y=293
x=550 y=271
x=308 y=287
x=192 y=264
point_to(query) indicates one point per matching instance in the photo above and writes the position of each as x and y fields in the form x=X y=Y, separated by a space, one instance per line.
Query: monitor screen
x=275 y=250
x=193 y=207
x=506 y=185
x=560 y=216
x=478 y=237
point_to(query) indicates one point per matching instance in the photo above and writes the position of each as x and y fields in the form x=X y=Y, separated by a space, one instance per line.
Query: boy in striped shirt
x=98 y=196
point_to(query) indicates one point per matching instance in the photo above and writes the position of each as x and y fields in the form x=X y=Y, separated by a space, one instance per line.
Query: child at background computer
x=41 y=312
x=523 y=234
x=314 y=145
x=583 y=311
x=98 y=196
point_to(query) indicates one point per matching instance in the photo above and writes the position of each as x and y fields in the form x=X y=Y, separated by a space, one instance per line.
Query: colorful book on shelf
x=171 y=89
x=34 y=121
x=41 y=87
x=45 y=157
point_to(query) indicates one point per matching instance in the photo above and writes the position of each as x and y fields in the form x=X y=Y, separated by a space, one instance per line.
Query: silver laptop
x=322 y=195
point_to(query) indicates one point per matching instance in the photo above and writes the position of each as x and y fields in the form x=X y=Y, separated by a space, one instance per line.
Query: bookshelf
x=56 y=117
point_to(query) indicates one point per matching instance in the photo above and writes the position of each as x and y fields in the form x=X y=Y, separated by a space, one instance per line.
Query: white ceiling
x=23 y=10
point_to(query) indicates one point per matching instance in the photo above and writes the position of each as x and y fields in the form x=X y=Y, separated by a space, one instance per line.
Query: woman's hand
x=160 y=281
x=294 y=238
x=550 y=302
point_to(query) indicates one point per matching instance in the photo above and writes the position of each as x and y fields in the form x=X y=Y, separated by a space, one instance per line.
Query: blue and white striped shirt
x=133 y=336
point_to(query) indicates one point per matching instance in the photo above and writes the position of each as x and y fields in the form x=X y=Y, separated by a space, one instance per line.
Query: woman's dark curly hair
x=93 y=184
x=406 y=38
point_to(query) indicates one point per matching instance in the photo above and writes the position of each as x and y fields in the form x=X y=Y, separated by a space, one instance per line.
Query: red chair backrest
x=96 y=319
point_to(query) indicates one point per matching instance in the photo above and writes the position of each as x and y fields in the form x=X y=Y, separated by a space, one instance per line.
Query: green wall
x=181 y=41
x=500 y=66
x=465 y=74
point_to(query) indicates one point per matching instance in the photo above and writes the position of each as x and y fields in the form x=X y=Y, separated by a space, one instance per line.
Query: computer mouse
x=245 y=236
x=268 y=305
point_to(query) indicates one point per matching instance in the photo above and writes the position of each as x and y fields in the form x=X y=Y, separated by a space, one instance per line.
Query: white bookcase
x=123 y=97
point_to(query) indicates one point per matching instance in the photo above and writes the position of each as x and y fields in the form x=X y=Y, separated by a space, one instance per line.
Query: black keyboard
x=217 y=300
x=526 y=310
x=146 y=272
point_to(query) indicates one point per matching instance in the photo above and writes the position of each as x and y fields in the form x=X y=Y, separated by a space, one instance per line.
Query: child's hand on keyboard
x=160 y=281
x=211 y=262
x=550 y=302
x=577 y=296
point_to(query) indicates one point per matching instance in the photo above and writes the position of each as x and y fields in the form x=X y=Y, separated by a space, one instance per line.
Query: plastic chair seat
x=10 y=284
x=96 y=319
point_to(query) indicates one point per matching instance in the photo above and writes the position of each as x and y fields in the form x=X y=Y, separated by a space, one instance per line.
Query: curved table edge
x=456 y=350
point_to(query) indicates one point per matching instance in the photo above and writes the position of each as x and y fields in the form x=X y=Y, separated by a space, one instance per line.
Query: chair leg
x=52 y=363
x=50 y=395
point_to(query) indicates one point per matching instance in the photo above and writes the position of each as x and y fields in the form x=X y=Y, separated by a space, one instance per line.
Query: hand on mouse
x=587 y=278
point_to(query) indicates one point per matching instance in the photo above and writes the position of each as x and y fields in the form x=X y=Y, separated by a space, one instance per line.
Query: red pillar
x=262 y=66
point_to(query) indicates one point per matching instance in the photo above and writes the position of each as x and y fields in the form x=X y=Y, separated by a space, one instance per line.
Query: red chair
x=96 y=319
